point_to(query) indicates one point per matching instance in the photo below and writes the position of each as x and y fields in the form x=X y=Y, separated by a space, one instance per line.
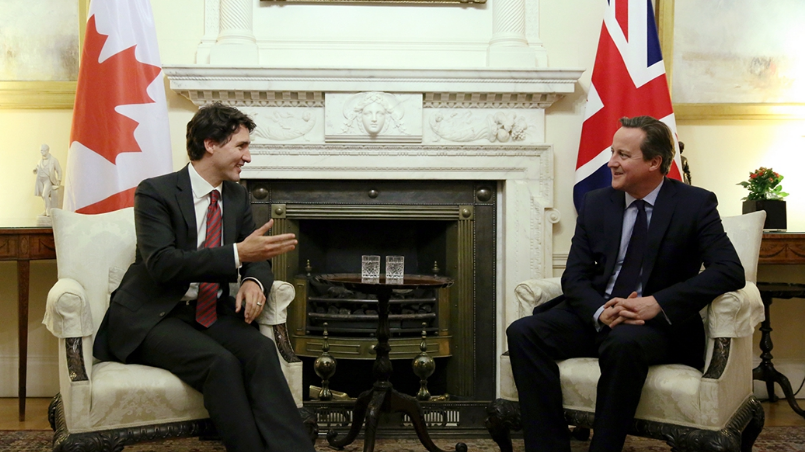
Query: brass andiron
x=436 y=269
x=423 y=366
x=325 y=367
x=314 y=391
x=308 y=268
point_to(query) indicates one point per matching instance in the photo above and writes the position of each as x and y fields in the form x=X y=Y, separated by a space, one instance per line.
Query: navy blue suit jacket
x=684 y=233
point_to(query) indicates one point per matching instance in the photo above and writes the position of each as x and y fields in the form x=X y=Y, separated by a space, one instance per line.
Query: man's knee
x=518 y=331
x=222 y=360
x=621 y=343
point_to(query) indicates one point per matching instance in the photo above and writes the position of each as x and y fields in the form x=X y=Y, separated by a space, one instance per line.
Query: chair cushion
x=89 y=246
x=670 y=394
x=745 y=232
x=129 y=395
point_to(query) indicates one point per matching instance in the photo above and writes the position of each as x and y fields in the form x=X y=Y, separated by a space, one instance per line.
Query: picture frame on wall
x=41 y=44
x=741 y=59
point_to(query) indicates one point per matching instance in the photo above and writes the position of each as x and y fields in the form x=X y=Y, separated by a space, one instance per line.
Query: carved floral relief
x=465 y=126
x=285 y=124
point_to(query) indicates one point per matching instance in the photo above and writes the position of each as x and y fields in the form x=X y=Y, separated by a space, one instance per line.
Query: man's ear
x=655 y=163
x=210 y=145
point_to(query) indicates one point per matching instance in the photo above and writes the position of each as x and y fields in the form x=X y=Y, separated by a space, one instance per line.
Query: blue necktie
x=630 y=274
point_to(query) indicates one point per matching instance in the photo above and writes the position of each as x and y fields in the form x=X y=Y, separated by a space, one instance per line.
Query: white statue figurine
x=48 y=179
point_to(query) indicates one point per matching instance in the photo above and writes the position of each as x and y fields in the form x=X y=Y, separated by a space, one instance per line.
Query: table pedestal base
x=766 y=371
x=383 y=398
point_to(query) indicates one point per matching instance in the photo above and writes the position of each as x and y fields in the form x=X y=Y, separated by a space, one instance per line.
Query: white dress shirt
x=627 y=225
x=201 y=202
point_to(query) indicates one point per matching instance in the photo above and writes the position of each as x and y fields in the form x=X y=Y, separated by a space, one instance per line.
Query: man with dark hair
x=632 y=291
x=173 y=309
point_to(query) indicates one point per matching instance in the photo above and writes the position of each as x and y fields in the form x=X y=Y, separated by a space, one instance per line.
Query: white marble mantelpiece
x=479 y=124
x=550 y=83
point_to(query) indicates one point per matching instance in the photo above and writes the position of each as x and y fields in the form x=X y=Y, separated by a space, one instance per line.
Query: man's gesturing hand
x=260 y=247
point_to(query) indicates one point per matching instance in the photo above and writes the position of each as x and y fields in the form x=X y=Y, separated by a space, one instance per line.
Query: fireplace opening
x=446 y=228
x=336 y=246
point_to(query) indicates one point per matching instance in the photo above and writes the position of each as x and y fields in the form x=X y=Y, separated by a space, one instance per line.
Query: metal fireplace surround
x=447 y=224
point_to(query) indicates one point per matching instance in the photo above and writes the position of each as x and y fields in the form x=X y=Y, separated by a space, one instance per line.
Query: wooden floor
x=36 y=414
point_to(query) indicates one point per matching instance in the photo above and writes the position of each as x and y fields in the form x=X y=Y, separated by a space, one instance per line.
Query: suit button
x=162 y=314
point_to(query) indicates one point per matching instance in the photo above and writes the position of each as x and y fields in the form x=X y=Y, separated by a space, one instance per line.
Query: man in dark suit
x=173 y=309
x=632 y=306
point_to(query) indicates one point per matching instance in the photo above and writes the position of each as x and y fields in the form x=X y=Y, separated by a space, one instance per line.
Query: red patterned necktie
x=208 y=292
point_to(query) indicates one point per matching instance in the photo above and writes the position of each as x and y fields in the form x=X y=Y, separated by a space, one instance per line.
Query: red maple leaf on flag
x=119 y=80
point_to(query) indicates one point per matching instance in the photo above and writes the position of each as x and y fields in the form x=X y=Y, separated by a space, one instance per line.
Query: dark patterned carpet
x=772 y=439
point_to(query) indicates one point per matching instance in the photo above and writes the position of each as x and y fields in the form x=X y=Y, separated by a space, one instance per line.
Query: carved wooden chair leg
x=581 y=433
x=754 y=427
x=311 y=425
x=52 y=410
x=502 y=417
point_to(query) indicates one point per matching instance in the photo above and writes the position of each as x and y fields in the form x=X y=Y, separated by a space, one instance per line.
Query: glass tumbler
x=370 y=267
x=394 y=269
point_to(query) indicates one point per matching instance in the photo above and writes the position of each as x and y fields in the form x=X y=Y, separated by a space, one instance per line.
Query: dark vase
x=776 y=212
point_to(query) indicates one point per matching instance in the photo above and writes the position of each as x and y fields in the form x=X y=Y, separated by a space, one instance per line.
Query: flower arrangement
x=764 y=183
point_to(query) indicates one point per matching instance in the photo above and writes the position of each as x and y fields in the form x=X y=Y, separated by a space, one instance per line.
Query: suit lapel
x=184 y=198
x=662 y=213
x=614 y=217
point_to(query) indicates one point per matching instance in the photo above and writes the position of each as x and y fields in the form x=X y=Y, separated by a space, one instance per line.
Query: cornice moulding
x=483 y=80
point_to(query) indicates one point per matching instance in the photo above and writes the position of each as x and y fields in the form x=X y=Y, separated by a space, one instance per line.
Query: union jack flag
x=628 y=80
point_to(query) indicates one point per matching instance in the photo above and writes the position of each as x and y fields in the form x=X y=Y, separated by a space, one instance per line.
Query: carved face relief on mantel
x=479 y=126
x=373 y=117
x=285 y=124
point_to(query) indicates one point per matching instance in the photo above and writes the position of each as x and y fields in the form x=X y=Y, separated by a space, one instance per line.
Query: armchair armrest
x=534 y=292
x=68 y=317
x=272 y=324
x=272 y=318
x=67 y=312
x=735 y=314
x=276 y=310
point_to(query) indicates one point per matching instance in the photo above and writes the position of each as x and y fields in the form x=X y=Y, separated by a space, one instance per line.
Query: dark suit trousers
x=236 y=370
x=625 y=354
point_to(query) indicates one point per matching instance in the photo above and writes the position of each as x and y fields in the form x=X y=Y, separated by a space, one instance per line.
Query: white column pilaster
x=508 y=45
x=236 y=44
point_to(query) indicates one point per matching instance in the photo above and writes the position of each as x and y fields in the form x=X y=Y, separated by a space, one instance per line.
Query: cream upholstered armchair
x=691 y=410
x=107 y=405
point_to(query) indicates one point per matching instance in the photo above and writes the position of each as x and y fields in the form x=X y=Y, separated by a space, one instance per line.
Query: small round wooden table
x=382 y=398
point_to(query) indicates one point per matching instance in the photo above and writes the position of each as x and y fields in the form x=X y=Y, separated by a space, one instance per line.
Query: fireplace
x=441 y=227
x=442 y=136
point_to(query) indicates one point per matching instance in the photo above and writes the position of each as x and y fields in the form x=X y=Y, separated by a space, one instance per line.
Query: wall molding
x=43 y=375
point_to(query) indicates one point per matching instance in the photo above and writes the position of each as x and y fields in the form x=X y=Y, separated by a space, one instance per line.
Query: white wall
x=720 y=153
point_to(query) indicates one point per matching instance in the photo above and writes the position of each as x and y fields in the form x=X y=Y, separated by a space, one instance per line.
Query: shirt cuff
x=237 y=257
x=596 y=323
x=668 y=320
x=250 y=278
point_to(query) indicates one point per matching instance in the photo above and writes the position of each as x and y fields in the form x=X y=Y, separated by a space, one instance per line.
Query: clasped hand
x=633 y=310
x=260 y=247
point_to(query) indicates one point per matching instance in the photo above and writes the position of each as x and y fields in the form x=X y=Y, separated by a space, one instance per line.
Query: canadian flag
x=120 y=132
